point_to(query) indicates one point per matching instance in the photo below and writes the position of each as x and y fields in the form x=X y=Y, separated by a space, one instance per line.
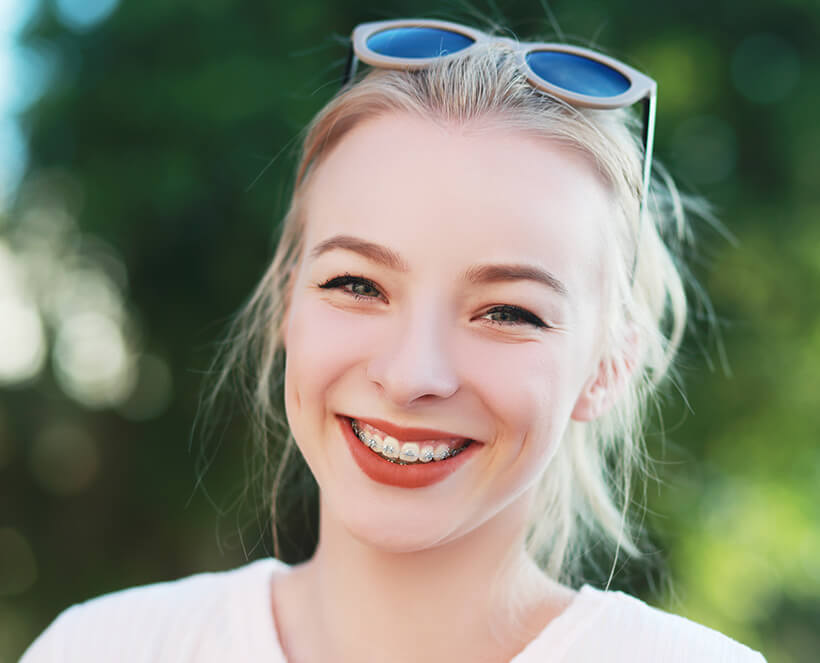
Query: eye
x=357 y=286
x=508 y=315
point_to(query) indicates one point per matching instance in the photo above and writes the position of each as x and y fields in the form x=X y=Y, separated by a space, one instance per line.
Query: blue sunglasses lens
x=577 y=74
x=415 y=42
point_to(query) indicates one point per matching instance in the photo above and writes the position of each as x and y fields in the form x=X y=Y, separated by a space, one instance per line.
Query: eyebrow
x=478 y=274
x=481 y=274
x=373 y=252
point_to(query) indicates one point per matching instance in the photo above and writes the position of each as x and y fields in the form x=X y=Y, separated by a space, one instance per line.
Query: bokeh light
x=22 y=338
x=84 y=14
x=34 y=67
x=24 y=75
x=92 y=361
x=138 y=141
x=685 y=66
x=83 y=288
x=22 y=342
x=56 y=281
x=765 y=68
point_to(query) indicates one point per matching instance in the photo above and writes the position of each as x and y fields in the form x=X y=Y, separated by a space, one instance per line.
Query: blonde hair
x=585 y=493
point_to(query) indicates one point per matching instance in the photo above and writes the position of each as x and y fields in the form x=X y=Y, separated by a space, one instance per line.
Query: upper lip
x=410 y=434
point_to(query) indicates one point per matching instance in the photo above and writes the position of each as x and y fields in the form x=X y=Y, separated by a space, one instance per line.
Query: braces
x=358 y=432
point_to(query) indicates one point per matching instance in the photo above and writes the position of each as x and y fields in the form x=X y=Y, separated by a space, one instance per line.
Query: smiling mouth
x=407 y=453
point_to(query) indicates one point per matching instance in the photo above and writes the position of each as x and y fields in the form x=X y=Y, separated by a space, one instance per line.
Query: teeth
x=391 y=447
x=409 y=452
x=441 y=452
x=372 y=441
x=404 y=453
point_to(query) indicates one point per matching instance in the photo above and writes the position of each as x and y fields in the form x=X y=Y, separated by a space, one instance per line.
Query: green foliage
x=167 y=135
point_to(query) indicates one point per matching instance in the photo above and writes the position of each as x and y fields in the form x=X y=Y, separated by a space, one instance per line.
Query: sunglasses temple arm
x=649 y=107
x=350 y=67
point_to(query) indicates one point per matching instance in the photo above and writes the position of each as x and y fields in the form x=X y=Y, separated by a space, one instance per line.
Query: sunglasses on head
x=579 y=76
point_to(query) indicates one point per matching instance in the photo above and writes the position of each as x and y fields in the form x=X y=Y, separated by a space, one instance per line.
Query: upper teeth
x=403 y=452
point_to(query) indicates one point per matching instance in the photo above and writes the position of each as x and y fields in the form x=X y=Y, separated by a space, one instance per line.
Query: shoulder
x=164 y=621
x=630 y=630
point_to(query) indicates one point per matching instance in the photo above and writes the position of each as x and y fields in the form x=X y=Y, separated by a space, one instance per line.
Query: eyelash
x=525 y=317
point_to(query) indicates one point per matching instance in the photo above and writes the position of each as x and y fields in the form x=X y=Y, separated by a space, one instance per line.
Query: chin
x=390 y=533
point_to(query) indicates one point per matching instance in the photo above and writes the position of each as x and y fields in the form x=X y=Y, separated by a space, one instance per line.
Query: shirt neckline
x=553 y=641
x=255 y=617
x=565 y=629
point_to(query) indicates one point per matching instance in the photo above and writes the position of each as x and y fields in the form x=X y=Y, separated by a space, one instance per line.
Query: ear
x=601 y=391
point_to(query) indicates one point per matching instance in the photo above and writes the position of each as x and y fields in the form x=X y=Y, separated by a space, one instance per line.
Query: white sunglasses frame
x=641 y=87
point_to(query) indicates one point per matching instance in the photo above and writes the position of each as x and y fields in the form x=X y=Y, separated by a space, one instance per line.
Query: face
x=450 y=280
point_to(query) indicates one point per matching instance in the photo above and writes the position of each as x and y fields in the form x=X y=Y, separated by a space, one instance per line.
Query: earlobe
x=595 y=398
x=605 y=386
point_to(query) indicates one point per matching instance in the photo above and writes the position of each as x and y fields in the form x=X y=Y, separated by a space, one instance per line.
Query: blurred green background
x=145 y=154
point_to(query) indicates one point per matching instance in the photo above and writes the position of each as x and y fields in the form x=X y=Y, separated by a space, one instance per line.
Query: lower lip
x=403 y=476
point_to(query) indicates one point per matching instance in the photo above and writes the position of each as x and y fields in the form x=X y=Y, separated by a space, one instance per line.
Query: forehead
x=464 y=193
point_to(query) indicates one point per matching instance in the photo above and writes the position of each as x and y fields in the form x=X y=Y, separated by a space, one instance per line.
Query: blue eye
x=359 y=287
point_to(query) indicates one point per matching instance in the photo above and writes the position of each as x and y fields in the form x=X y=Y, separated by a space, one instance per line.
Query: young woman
x=470 y=305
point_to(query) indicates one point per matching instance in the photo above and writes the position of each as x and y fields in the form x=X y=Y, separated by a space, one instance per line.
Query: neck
x=478 y=598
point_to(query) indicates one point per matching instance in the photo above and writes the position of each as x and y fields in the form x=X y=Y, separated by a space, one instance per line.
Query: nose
x=415 y=361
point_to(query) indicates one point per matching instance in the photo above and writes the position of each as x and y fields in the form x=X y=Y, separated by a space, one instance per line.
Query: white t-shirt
x=221 y=617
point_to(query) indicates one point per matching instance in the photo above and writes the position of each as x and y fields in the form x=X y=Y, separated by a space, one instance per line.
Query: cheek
x=529 y=392
x=322 y=344
x=528 y=389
